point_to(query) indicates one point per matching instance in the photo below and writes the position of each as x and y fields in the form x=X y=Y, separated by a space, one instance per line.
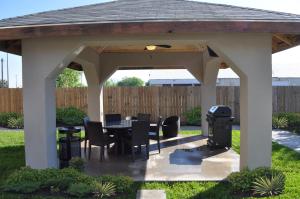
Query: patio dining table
x=120 y=129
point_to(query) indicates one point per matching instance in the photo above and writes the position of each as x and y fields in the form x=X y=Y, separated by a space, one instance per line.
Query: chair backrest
x=85 y=122
x=131 y=118
x=144 y=117
x=113 y=118
x=171 y=120
x=140 y=131
x=95 y=132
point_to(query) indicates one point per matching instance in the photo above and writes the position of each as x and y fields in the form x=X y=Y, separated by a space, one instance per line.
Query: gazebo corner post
x=250 y=56
x=208 y=90
x=42 y=60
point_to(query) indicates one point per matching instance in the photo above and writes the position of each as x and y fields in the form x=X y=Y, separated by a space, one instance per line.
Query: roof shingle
x=148 y=10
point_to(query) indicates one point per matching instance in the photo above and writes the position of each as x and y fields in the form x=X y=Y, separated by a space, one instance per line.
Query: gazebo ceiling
x=150 y=17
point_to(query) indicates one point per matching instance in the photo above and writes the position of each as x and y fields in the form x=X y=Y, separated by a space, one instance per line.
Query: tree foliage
x=110 y=83
x=3 y=84
x=68 y=79
x=131 y=81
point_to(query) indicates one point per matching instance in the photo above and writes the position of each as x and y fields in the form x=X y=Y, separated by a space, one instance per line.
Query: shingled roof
x=149 y=10
x=150 y=17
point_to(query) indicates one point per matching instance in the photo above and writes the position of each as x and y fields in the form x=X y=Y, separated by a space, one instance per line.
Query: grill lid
x=220 y=111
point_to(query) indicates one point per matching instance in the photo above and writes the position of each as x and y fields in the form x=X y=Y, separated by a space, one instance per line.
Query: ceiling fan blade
x=164 y=46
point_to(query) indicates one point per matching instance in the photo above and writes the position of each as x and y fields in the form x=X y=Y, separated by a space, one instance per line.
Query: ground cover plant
x=283 y=159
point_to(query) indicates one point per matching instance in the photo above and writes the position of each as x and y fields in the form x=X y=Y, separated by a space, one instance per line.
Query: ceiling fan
x=154 y=47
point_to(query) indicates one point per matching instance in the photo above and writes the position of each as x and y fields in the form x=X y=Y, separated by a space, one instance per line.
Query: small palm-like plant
x=269 y=186
x=105 y=190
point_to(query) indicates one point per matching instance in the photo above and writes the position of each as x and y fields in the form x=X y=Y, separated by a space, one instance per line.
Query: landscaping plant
x=269 y=186
x=77 y=163
x=70 y=116
x=242 y=182
x=279 y=122
x=193 y=116
x=293 y=121
x=105 y=190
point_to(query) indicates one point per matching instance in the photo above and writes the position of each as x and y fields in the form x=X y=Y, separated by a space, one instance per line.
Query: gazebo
x=102 y=38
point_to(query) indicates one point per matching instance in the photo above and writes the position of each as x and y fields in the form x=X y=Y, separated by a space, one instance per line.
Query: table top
x=68 y=130
x=123 y=124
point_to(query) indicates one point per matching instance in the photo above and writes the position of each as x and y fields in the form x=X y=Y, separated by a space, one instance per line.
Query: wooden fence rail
x=164 y=101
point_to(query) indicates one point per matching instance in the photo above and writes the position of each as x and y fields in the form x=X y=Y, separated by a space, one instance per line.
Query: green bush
x=77 y=163
x=24 y=188
x=293 y=120
x=279 y=122
x=4 y=117
x=269 y=186
x=15 y=123
x=193 y=116
x=80 y=190
x=57 y=184
x=242 y=182
x=47 y=176
x=69 y=116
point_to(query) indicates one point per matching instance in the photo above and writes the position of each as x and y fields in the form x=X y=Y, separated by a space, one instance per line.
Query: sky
x=285 y=64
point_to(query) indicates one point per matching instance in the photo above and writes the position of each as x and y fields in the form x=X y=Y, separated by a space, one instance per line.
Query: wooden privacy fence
x=164 y=101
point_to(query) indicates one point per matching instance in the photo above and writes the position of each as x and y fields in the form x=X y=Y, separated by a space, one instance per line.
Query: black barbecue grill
x=219 y=127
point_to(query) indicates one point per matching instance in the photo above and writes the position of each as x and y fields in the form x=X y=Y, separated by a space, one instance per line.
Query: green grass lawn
x=284 y=159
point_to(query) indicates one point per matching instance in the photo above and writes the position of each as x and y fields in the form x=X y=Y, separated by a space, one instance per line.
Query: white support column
x=94 y=92
x=250 y=56
x=42 y=61
x=208 y=90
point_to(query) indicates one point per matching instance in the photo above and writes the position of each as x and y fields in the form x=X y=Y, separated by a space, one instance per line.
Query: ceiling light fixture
x=151 y=47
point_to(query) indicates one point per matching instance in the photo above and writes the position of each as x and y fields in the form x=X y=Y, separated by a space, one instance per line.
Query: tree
x=3 y=84
x=68 y=79
x=131 y=81
x=110 y=83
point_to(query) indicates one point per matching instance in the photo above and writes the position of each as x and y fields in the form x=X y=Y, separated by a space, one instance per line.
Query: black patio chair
x=86 y=137
x=170 y=127
x=139 y=136
x=131 y=118
x=110 y=118
x=98 y=138
x=144 y=117
x=113 y=117
x=154 y=132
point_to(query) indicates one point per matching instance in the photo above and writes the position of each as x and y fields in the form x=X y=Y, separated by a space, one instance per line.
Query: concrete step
x=151 y=194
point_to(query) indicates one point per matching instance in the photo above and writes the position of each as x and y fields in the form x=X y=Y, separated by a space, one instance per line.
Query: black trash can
x=69 y=145
x=219 y=127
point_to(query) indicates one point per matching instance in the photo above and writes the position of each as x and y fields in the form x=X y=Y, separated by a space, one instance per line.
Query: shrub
x=80 y=190
x=69 y=116
x=279 y=122
x=123 y=183
x=4 y=117
x=57 y=184
x=242 y=182
x=25 y=187
x=293 y=121
x=269 y=186
x=49 y=177
x=105 y=190
x=193 y=116
x=15 y=123
x=77 y=163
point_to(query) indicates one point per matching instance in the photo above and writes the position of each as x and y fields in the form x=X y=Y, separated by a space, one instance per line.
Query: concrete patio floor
x=181 y=159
